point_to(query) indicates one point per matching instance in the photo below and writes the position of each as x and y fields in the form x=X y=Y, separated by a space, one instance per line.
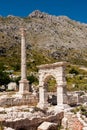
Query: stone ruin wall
x=32 y=124
x=74 y=99
x=12 y=101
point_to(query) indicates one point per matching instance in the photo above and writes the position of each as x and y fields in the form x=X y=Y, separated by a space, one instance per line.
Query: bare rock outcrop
x=58 y=37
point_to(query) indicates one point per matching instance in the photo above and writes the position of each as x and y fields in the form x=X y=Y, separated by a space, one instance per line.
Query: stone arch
x=47 y=79
x=57 y=70
x=50 y=87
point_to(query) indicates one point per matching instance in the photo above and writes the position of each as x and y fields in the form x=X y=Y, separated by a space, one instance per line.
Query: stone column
x=61 y=89
x=60 y=96
x=23 y=83
x=23 y=54
x=42 y=98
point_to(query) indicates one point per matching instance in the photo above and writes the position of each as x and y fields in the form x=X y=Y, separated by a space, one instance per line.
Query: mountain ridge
x=52 y=38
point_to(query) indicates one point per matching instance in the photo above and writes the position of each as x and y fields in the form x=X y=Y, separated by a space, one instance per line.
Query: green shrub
x=4 y=78
x=73 y=71
x=32 y=79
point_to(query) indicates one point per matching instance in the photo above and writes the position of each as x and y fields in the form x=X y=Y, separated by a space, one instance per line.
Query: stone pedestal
x=23 y=86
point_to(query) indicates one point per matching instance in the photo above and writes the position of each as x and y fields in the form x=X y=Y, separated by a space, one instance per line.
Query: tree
x=73 y=71
x=4 y=78
x=32 y=79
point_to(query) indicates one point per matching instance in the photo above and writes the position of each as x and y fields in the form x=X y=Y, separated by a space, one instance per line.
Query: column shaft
x=23 y=58
x=23 y=83
x=60 y=95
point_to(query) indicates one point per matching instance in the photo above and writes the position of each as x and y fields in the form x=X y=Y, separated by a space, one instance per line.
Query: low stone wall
x=83 y=99
x=32 y=124
x=72 y=99
x=76 y=98
x=16 y=101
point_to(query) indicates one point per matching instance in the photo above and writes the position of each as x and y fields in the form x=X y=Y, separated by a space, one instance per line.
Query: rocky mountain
x=48 y=39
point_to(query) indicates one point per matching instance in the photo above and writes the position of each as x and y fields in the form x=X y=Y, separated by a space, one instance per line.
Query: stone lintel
x=54 y=65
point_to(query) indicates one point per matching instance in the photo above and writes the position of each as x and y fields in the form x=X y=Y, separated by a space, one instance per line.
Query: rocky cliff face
x=52 y=36
x=58 y=31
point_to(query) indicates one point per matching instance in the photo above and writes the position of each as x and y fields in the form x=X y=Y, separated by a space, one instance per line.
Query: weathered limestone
x=23 y=83
x=84 y=128
x=27 y=99
x=29 y=118
x=12 y=86
x=57 y=71
x=48 y=126
x=65 y=123
x=8 y=128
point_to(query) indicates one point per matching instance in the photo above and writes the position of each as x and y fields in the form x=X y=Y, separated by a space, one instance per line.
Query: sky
x=74 y=9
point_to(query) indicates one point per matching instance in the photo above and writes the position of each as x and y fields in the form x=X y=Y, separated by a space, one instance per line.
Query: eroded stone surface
x=47 y=126
x=28 y=117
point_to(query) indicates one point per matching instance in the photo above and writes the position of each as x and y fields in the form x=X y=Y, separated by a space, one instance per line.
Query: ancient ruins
x=24 y=110
x=34 y=113
x=56 y=70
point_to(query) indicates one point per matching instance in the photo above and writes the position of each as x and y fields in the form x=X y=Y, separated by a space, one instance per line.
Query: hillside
x=48 y=39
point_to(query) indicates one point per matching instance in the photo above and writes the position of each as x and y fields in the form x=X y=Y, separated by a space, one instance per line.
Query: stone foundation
x=33 y=123
x=19 y=99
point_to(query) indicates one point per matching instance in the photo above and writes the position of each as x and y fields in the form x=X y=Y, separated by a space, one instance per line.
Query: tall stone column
x=23 y=83
x=23 y=54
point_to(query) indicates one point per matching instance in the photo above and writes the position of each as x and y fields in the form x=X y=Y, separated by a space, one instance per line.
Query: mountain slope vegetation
x=48 y=39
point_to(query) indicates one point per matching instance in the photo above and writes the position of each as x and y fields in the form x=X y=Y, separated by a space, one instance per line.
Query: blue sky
x=74 y=9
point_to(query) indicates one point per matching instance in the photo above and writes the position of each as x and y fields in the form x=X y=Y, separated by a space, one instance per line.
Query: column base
x=62 y=107
x=23 y=95
x=59 y=107
x=23 y=86
x=42 y=105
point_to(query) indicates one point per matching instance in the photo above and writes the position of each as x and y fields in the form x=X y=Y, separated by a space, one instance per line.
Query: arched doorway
x=56 y=70
x=50 y=86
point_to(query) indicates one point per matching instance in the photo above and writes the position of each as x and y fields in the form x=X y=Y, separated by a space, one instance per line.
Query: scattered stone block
x=8 y=128
x=65 y=123
x=48 y=126
x=12 y=86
